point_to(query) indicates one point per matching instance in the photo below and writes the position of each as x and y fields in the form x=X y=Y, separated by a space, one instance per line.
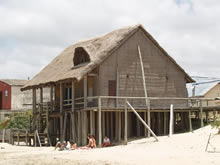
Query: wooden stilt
x=103 y=125
x=201 y=113
x=190 y=122
x=138 y=126
x=207 y=117
x=61 y=111
x=116 y=126
x=145 y=119
x=100 y=122
x=107 y=124
x=165 y=123
x=64 y=129
x=34 y=109
x=126 y=123
x=79 y=128
x=159 y=123
x=91 y=123
x=119 y=126
x=112 y=125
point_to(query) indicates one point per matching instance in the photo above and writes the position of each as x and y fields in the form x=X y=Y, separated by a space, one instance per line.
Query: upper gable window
x=80 y=56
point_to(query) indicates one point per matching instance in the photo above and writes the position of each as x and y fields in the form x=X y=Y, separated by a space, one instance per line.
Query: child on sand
x=106 y=142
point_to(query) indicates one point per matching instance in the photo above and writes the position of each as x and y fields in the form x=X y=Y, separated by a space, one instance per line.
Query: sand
x=180 y=149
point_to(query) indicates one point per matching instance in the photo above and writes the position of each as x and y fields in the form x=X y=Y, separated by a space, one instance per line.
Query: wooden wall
x=163 y=77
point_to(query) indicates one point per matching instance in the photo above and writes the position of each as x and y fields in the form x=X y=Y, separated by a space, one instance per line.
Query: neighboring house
x=211 y=92
x=207 y=88
x=12 y=99
x=109 y=66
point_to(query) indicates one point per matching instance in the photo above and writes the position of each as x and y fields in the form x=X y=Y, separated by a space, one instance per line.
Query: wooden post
x=91 y=123
x=165 y=124
x=145 y=119
x=103 y=124
x=64 y=129
x=112 y=125
x=100 y=122
x=171 y=120
x=201 y=113
x=85 y=91
x=41 y=110
x=138 y=128
x=51 y=98
x=73 y=112
x=3 y=135
x=79 y=129
x=159 y=123
x=126 y=124
x=207 y=117
x=107 y=124
x=190 y=122
x=148 y=118
x=34 y=108
x=119 y=126
x=145 y=90
x=61 y=113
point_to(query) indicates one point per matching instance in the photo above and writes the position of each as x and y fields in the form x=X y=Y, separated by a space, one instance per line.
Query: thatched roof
x=99 y=48
x=14 y=82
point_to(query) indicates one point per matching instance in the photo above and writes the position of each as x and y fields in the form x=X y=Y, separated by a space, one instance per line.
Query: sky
x=32 y=32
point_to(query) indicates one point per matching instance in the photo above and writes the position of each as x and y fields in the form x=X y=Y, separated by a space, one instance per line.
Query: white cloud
x=32 y=33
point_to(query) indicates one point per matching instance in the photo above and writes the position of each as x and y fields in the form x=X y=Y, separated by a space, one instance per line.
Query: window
x=80 y=56
x=6 y=93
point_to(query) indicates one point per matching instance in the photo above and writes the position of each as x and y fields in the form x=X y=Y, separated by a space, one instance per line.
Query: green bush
x=19 y=120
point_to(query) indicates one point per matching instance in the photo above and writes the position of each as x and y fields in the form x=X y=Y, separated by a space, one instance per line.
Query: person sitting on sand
x=73 y=145
x=58 y=145
x=106 y=142
x=93 y=141
x=68 y=146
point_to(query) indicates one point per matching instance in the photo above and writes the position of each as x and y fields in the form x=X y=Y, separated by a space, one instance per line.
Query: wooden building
x=91 y=80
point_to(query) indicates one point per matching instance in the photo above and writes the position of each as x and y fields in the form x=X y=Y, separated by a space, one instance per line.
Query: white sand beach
x=180 y=149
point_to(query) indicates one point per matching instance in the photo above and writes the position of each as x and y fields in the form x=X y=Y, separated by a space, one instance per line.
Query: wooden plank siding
x=163 y=77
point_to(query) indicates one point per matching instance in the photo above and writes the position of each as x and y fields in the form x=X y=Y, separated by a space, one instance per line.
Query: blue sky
x=32 y=32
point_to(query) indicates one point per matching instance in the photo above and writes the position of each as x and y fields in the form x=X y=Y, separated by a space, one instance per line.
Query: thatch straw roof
x=99 y=48
x=14 y=82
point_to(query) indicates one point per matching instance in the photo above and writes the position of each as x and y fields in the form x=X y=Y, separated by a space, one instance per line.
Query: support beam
x=73 y=96
x=112 y=125
x=79 y=128
x=190 y=122
x=201 y=113
x=51 y=98
x=64 y=129
x=61 y=112
x=103 y=125
x=165 y=124
x=171 y=120
x=100 y=122
x=34 y=108
x=119 y=126
x=145 y=90
x=159 y=123
x=126 y=124
x=142 y=121
x=41 y=110
x=92 y=132
x=85 y=91
x=145 y=119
